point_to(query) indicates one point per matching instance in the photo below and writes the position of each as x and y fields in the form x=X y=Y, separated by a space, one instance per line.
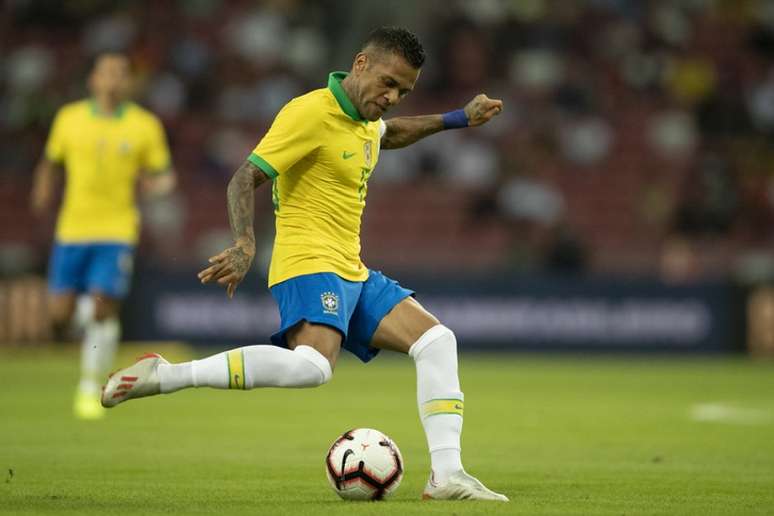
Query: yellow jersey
x=319 y=153
x=102 y=157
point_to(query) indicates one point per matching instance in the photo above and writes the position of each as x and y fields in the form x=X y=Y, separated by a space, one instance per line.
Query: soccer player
x=318 y=154
x=105 y=144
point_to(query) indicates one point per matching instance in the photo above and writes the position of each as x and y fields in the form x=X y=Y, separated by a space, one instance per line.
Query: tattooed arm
x=241 y=203
x=405 y=130
x=229 y=267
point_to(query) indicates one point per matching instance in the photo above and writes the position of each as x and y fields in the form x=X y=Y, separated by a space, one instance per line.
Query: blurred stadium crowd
x=635 y=140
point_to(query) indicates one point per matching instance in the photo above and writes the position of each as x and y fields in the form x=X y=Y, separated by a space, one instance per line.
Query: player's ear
x=361 y=62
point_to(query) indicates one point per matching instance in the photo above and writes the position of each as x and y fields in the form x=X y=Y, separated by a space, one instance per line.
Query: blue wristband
x=455 y=119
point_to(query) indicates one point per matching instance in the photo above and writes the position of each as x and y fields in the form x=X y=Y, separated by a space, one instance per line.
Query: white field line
x=727 y=413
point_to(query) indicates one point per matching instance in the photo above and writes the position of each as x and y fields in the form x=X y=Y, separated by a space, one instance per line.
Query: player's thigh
x=403 y=326
x=67 y=270
x=315 y=310
x=325 y=339
x=108 y=277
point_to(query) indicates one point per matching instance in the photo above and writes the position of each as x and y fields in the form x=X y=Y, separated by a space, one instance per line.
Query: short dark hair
x=399 y=41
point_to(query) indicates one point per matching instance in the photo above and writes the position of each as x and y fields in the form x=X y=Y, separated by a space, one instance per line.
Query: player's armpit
x=387 y=140
x=258 y=175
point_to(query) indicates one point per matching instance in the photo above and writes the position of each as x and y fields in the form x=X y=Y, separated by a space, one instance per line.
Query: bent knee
x=313 y=369
x=438 y=339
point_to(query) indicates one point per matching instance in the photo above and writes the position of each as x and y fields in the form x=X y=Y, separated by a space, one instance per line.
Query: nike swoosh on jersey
x=347 y=155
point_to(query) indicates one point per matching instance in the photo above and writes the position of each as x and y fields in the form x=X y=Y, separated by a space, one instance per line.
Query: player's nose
x=391 y=97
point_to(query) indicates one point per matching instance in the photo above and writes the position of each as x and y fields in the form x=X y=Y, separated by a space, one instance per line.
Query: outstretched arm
x=229 y=267
x=405 y=130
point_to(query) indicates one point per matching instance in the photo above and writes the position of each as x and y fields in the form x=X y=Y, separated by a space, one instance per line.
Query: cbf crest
x=367 y=153
x=330 y=303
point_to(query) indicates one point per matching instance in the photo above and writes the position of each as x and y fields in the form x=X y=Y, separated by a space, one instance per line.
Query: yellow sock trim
x=236 y=369
x=442 y=406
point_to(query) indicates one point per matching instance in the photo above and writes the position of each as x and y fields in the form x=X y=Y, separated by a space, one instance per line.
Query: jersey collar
x=118 y=113
x=334 y=84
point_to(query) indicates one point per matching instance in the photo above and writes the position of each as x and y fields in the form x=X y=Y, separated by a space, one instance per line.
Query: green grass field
x=558 y=435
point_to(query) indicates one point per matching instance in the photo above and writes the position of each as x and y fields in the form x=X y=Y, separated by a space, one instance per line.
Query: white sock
x=249 y=367
x=84 y=313
x=98 y=351
x=440 y=399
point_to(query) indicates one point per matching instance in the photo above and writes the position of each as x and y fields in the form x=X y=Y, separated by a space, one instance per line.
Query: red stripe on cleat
x=128 y=378
x=125 y=386
x=118 y=394
x=148 y=355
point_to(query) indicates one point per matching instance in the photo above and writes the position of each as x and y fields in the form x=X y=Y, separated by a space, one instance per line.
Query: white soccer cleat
x=136 y=381
x=460 y=486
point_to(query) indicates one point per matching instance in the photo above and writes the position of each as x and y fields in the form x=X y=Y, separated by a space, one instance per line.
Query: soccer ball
x=364 y=464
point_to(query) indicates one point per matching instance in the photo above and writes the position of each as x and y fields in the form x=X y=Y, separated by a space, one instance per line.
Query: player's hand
x=229 y=267
x=482 y=109
x=158 y=185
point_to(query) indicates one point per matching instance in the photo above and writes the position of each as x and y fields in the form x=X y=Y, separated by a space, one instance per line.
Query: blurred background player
x=320 y=152
x=105 y=144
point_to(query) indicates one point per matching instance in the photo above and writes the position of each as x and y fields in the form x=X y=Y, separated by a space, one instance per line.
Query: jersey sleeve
x=156 y=157
x=55 y=145
x=294 y=134
x=382 y=128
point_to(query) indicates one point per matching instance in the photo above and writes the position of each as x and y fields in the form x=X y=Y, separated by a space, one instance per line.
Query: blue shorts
x=355 y=308
x=91 y=267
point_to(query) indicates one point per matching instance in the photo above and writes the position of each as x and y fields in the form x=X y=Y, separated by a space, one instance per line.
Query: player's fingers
x=231 y=289
x=208 y=279
x=492 y=104
x=219 y=257
x=495 y=110
x=208 y=272
x=230 y=278
x=222 y=273
x=204 y=272
x=205 y=275
x=484 y=117
x=484 y=99
x=214 y=271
